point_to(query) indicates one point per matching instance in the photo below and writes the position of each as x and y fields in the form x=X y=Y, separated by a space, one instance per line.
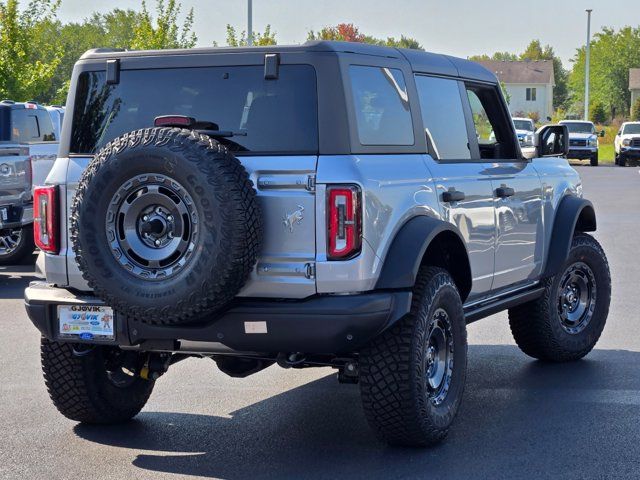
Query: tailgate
x=286 y=193
x=15 y=174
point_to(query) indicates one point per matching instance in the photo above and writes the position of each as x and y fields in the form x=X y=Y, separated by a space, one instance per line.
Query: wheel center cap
x=155 y=227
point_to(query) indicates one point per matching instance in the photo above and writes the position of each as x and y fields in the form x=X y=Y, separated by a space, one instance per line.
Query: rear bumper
x=321 y=324
x=17 y=216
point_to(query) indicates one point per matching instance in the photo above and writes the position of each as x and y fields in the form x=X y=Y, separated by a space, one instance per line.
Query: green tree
x=27 y=65
x=506 y=94
x=348 y=32
x=598 y=114
x=114 y=29
x=613 y=53
x=497 y=56
x=259 y=39
x=164 y=31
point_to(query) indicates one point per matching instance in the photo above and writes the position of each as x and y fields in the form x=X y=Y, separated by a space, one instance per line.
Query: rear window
x=266 y=116
x=31 y=125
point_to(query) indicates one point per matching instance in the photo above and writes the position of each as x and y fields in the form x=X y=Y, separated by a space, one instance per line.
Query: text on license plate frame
x=86 y=322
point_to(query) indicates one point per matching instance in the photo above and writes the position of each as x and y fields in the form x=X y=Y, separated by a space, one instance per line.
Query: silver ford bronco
x=329 y=204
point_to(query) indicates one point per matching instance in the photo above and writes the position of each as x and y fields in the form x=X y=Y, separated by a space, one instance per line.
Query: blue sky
x=456 y=27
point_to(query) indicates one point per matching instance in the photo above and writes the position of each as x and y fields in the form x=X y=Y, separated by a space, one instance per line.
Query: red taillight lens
x=345 y=220
x=174 y=121
x=45 y=225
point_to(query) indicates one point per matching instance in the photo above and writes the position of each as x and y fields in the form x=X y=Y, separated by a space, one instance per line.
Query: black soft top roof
x=421 y=62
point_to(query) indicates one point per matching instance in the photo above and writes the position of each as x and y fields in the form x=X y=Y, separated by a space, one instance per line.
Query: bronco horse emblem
x=292 y=219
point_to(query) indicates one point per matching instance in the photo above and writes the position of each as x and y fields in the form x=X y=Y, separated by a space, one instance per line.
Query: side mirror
x=552 y=141
x=601 y=134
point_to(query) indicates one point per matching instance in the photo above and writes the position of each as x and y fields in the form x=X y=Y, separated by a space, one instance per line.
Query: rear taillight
x=344 y=222
x=45 y=225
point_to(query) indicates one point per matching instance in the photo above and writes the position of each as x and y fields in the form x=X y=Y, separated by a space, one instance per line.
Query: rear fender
x=415 y=243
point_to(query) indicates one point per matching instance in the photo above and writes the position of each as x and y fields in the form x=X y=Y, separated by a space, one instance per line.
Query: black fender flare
x=408 y=248
x=573 y=214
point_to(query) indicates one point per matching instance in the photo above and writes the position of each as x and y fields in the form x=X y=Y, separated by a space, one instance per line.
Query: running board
x=495 y=305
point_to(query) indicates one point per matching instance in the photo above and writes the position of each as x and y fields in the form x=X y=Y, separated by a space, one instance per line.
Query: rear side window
x=265 y=116
x=381 y=106
x=31 y=125
x=443 y=117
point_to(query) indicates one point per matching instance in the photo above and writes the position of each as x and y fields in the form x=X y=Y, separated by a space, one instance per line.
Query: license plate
x=86 y=322
x=4 y=214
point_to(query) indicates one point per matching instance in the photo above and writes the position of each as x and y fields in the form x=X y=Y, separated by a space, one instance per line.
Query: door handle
x=504 y=192
x=452 y=196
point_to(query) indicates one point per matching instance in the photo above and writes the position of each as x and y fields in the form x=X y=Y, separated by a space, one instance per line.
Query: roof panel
x=420 y=61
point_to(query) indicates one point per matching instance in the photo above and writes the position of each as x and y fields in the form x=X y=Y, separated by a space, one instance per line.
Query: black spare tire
x=165 y=225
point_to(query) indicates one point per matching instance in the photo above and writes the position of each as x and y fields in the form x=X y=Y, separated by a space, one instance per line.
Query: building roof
x=539 y=71
x=422 y=62
x=634 y=79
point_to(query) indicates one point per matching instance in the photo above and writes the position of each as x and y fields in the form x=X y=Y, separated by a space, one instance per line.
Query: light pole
x=586 y=65
x=249 y=22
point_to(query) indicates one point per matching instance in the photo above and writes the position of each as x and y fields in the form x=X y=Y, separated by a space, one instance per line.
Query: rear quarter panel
x=394 y=188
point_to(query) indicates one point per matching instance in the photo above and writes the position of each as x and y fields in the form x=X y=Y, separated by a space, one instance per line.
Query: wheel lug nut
x=157 y=242
x=170 y=218
x=145 y=218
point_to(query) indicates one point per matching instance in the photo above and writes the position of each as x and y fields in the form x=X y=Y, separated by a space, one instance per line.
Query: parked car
x=627 y=144
x=583 y=140
x=28 y=148
x=57 y=115
x=525 y=130
x=221 y=214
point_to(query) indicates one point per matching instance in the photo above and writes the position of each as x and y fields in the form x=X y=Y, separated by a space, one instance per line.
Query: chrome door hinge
x=311 y=183
x=310 y=270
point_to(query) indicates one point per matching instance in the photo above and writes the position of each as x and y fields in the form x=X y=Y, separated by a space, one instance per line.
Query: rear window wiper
x=220 y=133
x=205 y=127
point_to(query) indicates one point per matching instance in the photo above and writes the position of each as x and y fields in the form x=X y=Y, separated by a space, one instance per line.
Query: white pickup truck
x=627 y=144
x=29 y=136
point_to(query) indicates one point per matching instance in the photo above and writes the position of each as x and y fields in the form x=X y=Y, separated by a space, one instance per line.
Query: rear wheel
x=567 y=320
x=93 y=386
x=16 y=244
x=412 y=376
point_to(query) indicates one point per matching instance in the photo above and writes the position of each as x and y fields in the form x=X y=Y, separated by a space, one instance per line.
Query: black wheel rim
x=576 y=298
x=9 y=241
x=439 y=356
x=151 y=226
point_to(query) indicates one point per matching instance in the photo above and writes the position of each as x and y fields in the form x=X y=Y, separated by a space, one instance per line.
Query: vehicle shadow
x=14 y=279
x=518 y=415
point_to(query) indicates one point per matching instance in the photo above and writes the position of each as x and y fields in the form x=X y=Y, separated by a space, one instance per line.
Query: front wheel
x=16 y=244
x=594 y=160
x=622 y=160
x=565 y=323
x=93 y=386
x=412 y=376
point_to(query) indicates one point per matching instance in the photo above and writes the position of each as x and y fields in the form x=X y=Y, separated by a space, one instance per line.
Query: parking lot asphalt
x=519 y=419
